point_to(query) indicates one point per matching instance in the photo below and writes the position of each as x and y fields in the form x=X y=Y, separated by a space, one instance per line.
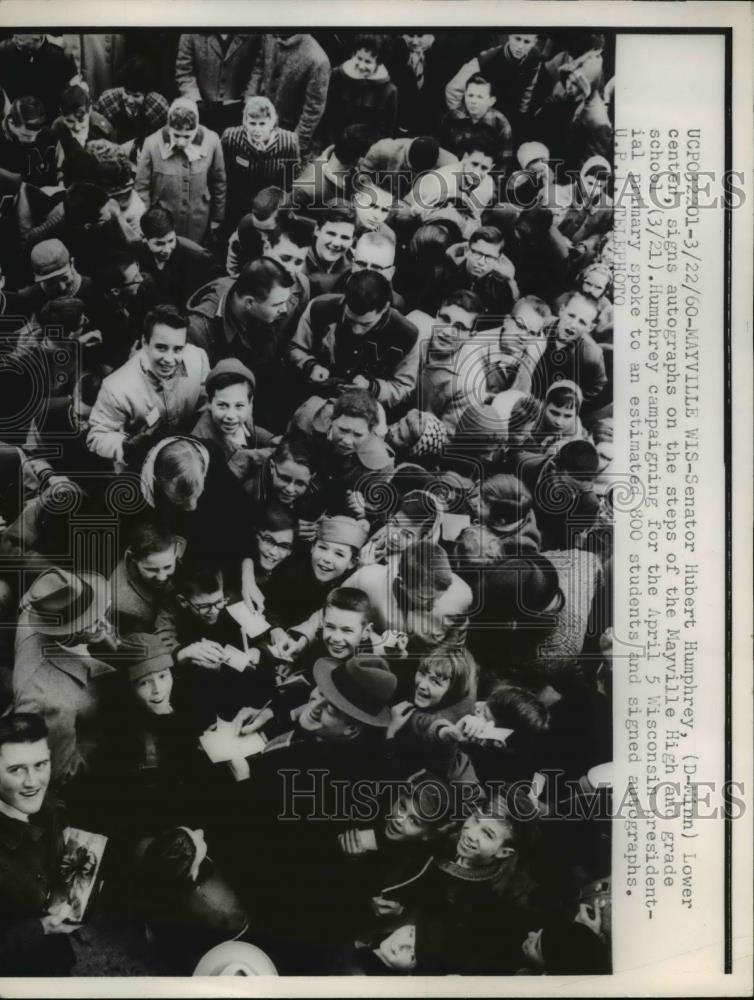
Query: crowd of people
x=305 y=502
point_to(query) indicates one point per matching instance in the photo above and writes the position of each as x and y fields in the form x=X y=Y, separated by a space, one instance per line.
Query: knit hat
x=62 y=603
x=145 y=654
x=49 y=259
x=528 y=152
x=419 y=433
x=342 y=529
x=566 y=383
x=362 y=687
x=229 y=366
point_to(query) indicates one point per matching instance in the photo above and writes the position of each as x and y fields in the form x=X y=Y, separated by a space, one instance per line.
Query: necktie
x=416 y=62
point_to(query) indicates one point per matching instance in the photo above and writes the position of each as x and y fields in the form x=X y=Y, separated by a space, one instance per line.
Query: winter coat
x=512 y=81
x=580 y=361
x=386 y=355
x=249 y=170
x=242 y=460
x=205 y=71
x=353 y=100
x=44 y=73
x=30 y=855
x=131 y=394
x=294 y=73
x=134 y=607
x=188 y=268
x=260 y=346
x=219 y=530
x=190 y=185
x=69 y=690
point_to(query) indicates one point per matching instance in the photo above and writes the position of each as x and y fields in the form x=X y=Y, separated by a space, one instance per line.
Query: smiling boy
x=157 y=392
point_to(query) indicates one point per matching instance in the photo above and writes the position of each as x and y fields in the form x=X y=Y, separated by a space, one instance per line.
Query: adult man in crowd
x=360 y=338
x=245 y=318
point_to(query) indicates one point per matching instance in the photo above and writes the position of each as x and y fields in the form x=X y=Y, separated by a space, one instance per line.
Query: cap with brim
x=49 y=259
x=229 y=366
x=362 y=687
x=145 y=654
x=235 y=958
x=62 y=603
x=344 y=530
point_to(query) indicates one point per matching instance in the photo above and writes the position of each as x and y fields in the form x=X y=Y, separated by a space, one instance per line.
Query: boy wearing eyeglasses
x=483 y=268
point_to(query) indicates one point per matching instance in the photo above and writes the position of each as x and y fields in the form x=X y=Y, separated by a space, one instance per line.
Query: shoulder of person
x=326 y=308
x=374 y=454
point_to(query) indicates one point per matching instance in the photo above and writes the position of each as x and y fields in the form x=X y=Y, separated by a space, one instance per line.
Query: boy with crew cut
x=228 y=421
x=512 y=69
x=342 y=626
x=157 y=392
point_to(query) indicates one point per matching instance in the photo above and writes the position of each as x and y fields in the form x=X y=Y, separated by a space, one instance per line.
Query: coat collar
x=193 y=151
x=13 y=832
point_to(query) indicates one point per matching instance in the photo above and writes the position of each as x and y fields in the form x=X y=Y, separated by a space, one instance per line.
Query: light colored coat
x=68 y=690
x=192 y=186
x=130 y=394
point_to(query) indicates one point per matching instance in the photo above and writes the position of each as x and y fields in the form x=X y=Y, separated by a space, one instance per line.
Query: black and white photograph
x=313 y=456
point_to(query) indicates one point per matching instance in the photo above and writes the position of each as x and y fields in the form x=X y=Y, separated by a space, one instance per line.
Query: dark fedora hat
x=362 y=687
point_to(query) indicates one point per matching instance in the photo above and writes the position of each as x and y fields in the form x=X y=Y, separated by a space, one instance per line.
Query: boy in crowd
x=176 y=265
x=512 y=70
x=143 y=576
x=333 y=238
x=342 y=626
x=228 y=420
x=156 y=393
x=479 y=108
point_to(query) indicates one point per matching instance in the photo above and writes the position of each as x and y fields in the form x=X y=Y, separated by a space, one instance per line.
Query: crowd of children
x=305 y=500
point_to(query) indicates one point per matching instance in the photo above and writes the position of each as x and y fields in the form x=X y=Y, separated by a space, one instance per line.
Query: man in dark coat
x=299 y=790
x=246 y=319
x=33 y=941
x=30 y=66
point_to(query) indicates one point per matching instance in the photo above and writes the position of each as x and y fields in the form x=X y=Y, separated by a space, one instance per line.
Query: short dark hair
x=64 y=312
x=148 y=536
x=299 y=231
x=516 y=708
x=367 y=291
x=577 y=458
x=157 y=221
x=373 y=44
x=111 y=273
x=478 y=80
x=83 y=202
x=259 y=277
x=490 y=234
x=296 y=448
x=73 y=97
x=423 y=152
x=22 y=727
x=480 y=139
x=350 y=599
x=267 y=201
x=274 y=516
x=90 y=383
x=166 y=862
x=167 y=315
x=358 y=404
x=337 y=210
x=136 y=75
x=464 y=299
x=198 y=578
x=353 y=142
x=228 y=378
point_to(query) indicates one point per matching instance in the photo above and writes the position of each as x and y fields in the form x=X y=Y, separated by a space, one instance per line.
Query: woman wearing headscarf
x=181 y=168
